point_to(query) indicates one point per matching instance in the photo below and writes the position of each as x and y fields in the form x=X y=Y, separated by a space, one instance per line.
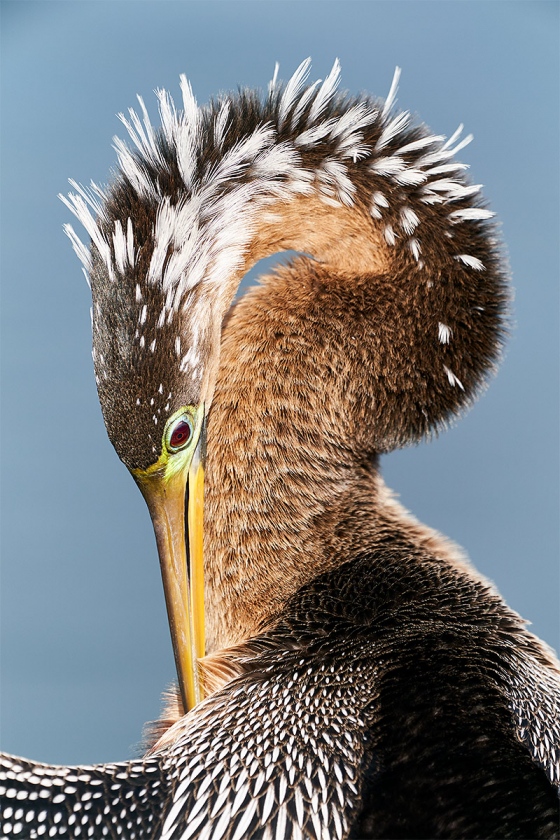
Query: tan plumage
x=295 y=433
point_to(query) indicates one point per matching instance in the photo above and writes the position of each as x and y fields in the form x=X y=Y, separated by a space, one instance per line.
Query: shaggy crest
x=303 y=139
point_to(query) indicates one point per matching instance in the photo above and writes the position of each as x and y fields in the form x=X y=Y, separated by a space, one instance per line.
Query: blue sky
x=85 y=645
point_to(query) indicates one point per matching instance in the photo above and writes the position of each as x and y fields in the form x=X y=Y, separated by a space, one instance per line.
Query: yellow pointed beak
x=173 y=496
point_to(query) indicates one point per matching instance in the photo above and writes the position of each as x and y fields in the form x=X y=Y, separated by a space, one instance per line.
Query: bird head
x=154 y=370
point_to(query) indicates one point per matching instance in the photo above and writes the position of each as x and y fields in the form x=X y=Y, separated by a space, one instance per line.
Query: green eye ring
x=180 y=438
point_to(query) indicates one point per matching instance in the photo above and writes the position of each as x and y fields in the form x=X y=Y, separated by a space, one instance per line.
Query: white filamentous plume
x=325 y=93
x=444 y=333
x=392 y=95
x=472 y=262
x=293 y=90
x=453 y=380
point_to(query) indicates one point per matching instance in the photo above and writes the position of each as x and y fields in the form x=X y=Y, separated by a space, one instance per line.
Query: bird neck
x=374 y=344
x=313 y=378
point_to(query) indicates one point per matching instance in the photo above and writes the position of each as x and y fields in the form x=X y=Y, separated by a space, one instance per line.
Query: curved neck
x=313 y=375
x=375 y=343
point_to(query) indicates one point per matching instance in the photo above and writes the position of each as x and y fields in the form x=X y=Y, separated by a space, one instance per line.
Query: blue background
x=85 y=646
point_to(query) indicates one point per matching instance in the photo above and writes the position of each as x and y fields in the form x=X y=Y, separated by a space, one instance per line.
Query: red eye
x=180 y=435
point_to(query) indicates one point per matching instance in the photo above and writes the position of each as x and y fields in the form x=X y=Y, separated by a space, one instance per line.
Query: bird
x=343 y=670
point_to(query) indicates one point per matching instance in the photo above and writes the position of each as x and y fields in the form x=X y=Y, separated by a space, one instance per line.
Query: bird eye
x=181 y=434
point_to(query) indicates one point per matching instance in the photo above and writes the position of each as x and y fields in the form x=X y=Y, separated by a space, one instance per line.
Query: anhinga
x=361 y=679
